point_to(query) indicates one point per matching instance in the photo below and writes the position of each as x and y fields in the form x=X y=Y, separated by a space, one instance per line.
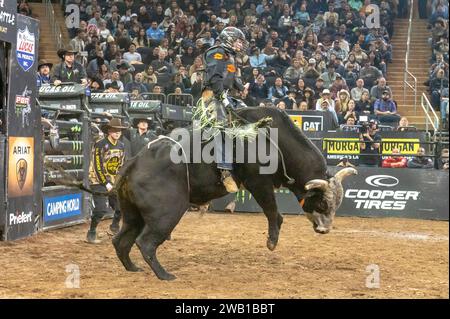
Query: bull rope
x=161 y=137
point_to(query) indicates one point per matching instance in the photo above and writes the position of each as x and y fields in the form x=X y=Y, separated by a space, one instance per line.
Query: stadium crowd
x=438 y=74
x=309 y=55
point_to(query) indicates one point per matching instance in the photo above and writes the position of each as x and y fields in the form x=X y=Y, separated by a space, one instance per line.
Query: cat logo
x=231 y=68
x=21 y=172
x=218 y=56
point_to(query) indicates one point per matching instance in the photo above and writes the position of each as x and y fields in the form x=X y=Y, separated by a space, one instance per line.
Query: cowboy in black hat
x=140 y=135
x=68 y=70
x=43 y=74
x=107 y=158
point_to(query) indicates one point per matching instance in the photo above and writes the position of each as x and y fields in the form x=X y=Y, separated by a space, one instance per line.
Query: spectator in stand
x=94 y=65
x=357 y=91
x=136 y=85
x=386 y=110
x=78 y=44
x=437 y=85
x=350 y=125
x=115 y=77
x=132 y=57
x=278 y=91
x=259 y=89
x=310 y=75
x=338 y=85
x=420 y=160
x=363 y=106
x=149 y=77
x=348 y=111
x=125 y=75
x=395 y=161
x=403 y=125
x=155 y=34
x=350 y=76
x=369 y=74
x=342 y=100
x=325 y=107
x=302 y=107
x=329 y=76
x=43 y=74
x=293 y=73
x=376 y=92
x=308 y=98
x=96 y=19
x=196 y=66
x=259 y=60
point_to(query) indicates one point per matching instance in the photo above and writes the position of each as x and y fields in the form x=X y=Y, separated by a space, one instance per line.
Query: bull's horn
x=343 y=173
x=317 y=183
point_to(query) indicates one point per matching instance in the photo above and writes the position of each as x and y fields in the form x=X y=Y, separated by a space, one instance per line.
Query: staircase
x=419 y=56
x=47 y=45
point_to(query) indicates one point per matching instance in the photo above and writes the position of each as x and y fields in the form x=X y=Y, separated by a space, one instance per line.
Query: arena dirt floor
x=225 y=256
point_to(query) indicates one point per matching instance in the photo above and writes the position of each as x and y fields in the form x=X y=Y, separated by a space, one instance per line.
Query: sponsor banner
x=62 y=207
x=308 y=122
x=311 y=121
x=143 y=105
x=23 y=128
x=406 y=146
x=20 y=166
x=374 y=192
x=25 y=48
x=109 y=97
x=8 y=20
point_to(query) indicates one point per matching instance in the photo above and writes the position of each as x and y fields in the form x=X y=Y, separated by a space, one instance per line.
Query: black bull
x=154 y=193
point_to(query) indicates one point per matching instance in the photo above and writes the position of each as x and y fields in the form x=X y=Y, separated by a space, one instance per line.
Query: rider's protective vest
x=221 y=70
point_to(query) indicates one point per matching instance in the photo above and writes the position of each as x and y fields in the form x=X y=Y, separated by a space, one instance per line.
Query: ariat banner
x=20 y=166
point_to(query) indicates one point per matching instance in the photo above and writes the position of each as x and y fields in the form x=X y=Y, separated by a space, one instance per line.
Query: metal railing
x=54 y=25
x=412 y=86
x=428 y=109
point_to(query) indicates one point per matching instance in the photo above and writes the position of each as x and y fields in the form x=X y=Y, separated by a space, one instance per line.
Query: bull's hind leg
x=131 y=228
x=148 y=242
x=262 y=191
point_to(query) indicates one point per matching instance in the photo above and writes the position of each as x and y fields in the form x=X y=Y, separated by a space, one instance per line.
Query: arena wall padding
x=408 y=193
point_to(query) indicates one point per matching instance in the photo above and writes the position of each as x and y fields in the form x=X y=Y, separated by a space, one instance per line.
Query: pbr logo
x=25 y=49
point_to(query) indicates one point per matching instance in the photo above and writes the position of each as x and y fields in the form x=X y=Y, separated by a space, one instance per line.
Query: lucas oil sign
x=25 y=51
x=61 y=207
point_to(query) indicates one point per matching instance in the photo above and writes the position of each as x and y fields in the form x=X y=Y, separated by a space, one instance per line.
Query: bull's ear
x=317 y=184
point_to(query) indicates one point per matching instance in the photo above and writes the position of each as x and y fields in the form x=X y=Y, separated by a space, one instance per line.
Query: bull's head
x=323 y=198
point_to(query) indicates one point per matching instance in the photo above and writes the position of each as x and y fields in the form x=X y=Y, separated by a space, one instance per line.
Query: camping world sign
x=25 y=51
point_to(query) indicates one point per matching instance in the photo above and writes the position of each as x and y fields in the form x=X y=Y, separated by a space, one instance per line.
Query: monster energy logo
x=242 y=196
x=75 y=160
x=77 y=146
x=75 y=129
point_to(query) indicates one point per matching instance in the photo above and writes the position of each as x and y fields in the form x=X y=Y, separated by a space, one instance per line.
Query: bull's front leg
x=263 y=192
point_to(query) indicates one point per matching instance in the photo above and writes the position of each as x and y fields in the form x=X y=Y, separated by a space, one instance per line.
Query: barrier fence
x=74 y=114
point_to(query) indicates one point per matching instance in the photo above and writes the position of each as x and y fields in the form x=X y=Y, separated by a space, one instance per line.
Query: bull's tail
x=69 y=180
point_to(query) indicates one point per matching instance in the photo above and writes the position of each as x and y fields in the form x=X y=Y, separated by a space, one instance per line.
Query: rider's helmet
x=234 y=40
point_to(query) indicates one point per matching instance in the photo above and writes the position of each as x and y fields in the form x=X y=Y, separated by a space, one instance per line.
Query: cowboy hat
x=115 y=123
x=139 y=118
x=44 y=62
x=61 y=52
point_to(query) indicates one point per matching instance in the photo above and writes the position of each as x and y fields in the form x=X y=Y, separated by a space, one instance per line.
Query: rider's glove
x=223 y=97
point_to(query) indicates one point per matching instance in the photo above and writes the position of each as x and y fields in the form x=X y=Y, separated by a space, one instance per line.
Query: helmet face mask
x=234 y=40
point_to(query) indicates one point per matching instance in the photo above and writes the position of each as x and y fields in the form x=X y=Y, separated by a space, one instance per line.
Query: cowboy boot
x=228 y=182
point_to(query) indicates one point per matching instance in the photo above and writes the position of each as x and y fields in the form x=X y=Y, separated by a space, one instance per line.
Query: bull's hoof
x=271 y=245
x=135 y=269
x=167 y=276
